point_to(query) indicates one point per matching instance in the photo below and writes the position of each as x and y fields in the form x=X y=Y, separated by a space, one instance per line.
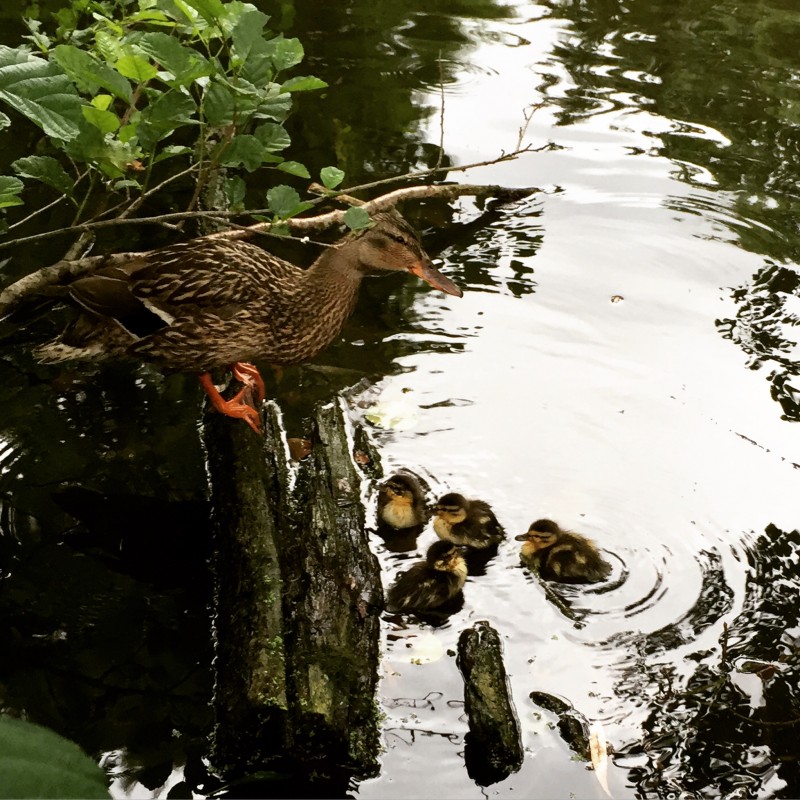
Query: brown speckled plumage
x=209 y=303
x=559 y=555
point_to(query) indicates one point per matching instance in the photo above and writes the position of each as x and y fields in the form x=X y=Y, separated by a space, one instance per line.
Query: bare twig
x=441 y=112
x=37 y=212
x=11 y=296
x=139 y=200
x=527 y=115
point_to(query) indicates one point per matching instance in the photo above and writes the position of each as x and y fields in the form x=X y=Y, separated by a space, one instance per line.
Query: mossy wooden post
x=493 y=747
x=297 y=602
x=334 y=596
x=250 y=702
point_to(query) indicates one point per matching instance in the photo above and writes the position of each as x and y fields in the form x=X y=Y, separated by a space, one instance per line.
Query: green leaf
x=41 y=91
x=356 y=218
x=171 y=151
x=108 y=46
x=229 y=101
x=274 y=103
x=110 y=155
x=136 y=68
x=284 y=201
x=102 y=101
x=40 y=39
x=258 y=69
x=127 y=132
x=104 y=121
x=151 y=15
x=303 y=84
x=331 y=177
x=245 y=150
x=235 y=190
x=218 y=105
x=272 y=136
x=37 y=762
x=44 y=169
x=9 y=191
x=248 y=34
x=183 y=63
x=294 y=168
x=285 y=53
x=171 y=110
x=209 y=10
x=4 y=121
x=89 y=73
x=125 y=184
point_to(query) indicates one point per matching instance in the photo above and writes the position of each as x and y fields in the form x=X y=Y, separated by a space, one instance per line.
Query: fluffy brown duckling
x=559 y=555
x=401 y=502
x=466 y=522
x=429 y=584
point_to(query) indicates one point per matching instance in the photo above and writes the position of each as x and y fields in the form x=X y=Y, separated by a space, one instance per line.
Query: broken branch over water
x=12 y=295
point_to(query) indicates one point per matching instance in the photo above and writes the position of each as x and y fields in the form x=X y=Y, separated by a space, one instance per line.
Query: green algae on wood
x=297 y=602
x=493 y=747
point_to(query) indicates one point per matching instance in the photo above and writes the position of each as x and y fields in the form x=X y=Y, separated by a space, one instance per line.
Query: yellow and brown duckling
x=214 y=303
x=559 y=555
x=401 y=502
x=466 y=522
x=430 y=584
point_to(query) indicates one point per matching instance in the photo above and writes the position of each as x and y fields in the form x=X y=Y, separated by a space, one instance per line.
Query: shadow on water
x=736 y=719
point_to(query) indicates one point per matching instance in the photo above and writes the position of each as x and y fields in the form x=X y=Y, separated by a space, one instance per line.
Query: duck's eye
x=396 y=237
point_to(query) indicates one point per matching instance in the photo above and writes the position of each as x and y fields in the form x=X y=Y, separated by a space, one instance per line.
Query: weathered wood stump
x=297 y=602
x=493 y=747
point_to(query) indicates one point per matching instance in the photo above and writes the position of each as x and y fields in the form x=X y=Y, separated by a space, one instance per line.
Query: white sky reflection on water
x=631 y=421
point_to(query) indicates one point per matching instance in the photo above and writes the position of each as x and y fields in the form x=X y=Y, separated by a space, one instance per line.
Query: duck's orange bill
x=431 y=275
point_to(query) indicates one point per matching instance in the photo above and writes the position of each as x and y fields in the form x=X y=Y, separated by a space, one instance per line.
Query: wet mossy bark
x=297 y=602
x=493 y=747
x=250 y=700
x=334 y=597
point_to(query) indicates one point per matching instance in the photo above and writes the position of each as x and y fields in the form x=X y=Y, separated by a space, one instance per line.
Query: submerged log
x=572 y=725
x=493 y=747
x=297 y=602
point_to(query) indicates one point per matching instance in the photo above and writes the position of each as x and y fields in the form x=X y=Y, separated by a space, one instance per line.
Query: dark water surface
x=624 y=360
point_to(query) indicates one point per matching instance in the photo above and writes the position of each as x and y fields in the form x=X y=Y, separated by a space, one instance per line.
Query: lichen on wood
x=298 y=594
x=493 y=747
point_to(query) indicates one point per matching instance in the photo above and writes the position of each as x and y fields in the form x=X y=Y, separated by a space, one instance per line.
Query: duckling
x=401 y=502
x=466 y=522
x=431 y=583
x=559 y=555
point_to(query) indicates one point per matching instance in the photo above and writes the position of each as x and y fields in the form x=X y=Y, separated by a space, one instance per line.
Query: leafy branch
x=119 y=98
x=294 y=224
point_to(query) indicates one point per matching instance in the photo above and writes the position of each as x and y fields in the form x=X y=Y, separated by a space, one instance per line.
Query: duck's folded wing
x=107 y=293
x=216 y=274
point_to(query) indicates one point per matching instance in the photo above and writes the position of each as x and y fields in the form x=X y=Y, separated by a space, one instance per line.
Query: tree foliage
x=119 y=86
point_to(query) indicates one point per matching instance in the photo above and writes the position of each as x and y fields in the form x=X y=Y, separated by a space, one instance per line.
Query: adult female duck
x=212 y=303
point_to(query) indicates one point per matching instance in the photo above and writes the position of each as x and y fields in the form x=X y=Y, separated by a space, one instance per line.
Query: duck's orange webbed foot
x=248 y=374
x=235 y=407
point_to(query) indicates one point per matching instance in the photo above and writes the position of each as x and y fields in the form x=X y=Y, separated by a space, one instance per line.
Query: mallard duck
x=559 y=555
x=429 y=584
x=466 y=522
x=401 y=502
x=215 y=303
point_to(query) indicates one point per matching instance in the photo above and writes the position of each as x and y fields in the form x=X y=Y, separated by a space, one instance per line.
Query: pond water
x=624 y=360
